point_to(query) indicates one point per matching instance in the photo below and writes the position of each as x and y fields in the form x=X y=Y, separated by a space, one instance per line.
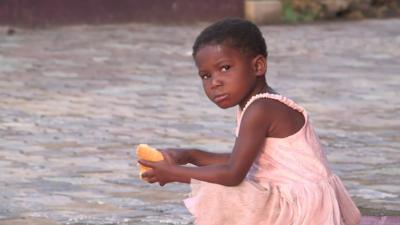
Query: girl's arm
x=204 y=158
x=253 y=130
x=196 y=157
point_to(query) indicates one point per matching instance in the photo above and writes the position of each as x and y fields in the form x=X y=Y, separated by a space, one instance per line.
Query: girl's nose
x=216 y=81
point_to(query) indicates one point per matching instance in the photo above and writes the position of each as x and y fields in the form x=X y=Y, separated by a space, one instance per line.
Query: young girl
x=277 y=172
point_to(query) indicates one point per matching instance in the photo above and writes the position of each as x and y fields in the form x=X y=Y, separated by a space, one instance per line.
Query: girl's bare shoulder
x=279 y=119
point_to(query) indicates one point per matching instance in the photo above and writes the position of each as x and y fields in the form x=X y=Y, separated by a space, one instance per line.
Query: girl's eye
x=205 y=76
x=225 y=68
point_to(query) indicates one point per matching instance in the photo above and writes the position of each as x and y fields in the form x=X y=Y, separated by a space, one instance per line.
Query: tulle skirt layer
x=320 y=203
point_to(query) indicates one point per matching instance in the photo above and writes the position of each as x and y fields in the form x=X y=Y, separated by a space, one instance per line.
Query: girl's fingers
x=149 y=177
x=168 y=158
x=146 y=163
x=152 y=180
x=148 y=174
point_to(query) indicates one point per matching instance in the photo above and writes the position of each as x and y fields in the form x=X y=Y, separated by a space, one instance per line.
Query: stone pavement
x=74 y=102
x=384 y=220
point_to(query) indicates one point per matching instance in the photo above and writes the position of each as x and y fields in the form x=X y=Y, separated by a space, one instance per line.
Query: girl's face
x=228 y=75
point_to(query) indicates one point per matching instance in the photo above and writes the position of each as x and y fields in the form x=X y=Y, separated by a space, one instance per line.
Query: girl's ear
x=260 y=65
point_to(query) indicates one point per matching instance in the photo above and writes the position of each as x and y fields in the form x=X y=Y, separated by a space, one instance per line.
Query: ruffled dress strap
x=277 y=97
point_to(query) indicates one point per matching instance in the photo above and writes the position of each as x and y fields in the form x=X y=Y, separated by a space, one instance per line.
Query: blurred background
x=60 y=12
x=83 y=82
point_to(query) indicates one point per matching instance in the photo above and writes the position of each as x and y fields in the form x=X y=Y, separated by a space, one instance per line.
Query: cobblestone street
x=76 y=100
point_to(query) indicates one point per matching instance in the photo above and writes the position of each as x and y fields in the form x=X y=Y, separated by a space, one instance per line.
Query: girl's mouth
x=220 y=98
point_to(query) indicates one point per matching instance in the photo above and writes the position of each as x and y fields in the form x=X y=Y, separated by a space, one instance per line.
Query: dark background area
x=60 y=12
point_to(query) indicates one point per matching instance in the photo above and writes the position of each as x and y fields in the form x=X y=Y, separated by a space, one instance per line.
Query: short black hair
x=238 y=33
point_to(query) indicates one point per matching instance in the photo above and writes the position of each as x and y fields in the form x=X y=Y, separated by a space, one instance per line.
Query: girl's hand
x=176 y=156
x=159 y=172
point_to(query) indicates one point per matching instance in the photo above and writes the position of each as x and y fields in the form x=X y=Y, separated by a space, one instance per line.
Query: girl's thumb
x=146 y=163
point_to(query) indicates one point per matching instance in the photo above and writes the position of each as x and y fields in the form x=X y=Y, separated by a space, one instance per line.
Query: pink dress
x=289 y=183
